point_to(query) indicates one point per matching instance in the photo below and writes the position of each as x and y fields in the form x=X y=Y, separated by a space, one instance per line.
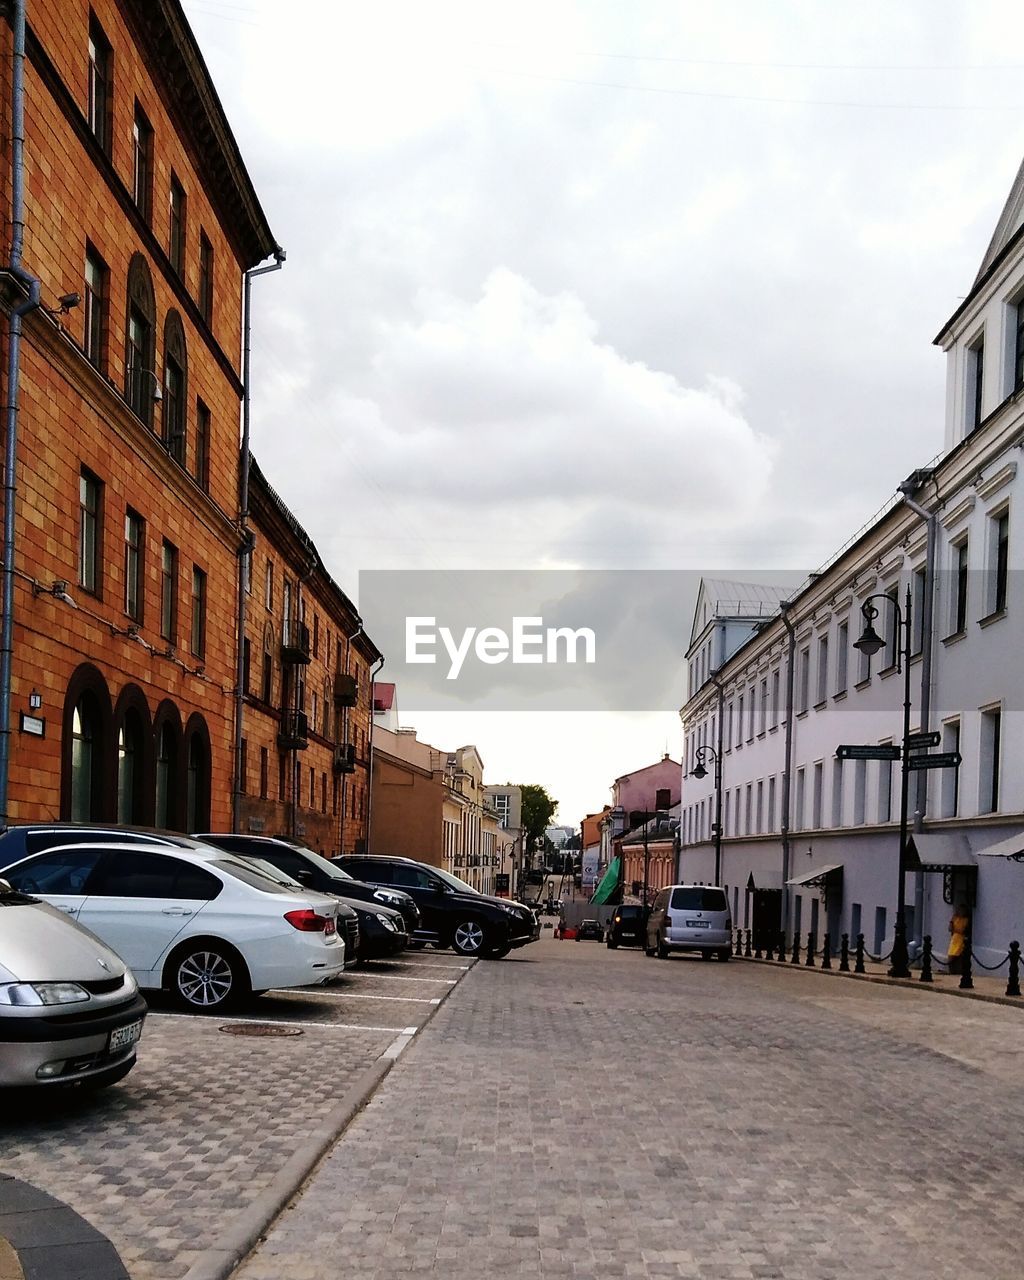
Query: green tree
x=538 y=810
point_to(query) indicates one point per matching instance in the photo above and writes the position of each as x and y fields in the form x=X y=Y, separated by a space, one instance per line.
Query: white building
x=808 y=840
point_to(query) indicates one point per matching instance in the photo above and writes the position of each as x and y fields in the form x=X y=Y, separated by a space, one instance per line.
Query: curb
x=250 y=1226
x=905 y=984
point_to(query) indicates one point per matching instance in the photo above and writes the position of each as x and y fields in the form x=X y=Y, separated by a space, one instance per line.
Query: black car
x=626 y=927
x=590 y=930
x=326 y=875
x=453 y=913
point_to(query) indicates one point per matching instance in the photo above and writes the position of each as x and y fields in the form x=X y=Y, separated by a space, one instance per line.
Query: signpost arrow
x=916 y=741
x=867 y=751
x=941 y=760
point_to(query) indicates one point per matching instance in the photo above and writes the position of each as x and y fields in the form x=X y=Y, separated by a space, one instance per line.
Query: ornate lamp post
x=700 y=771
x=871 y=643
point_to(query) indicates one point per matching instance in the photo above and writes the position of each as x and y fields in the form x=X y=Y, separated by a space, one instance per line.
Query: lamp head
x=698 y=770
x=870 y=642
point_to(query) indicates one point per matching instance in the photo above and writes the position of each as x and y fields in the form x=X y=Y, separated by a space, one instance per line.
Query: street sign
x=941 y=760
x=916 y=741
x=868 y=751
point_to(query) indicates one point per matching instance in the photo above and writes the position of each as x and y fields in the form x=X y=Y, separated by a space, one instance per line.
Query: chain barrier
x=990 y=967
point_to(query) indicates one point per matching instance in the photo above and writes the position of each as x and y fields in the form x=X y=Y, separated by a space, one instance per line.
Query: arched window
x=140 y=379
x=86 y=756
x=175 y=412
x=197 y=778
x=166 y=771
x=84 y=747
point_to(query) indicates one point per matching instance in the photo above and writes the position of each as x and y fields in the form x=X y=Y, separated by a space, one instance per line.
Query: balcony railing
x=345 y=690
x=295 y=642
x=345 y=758
x=293 y=734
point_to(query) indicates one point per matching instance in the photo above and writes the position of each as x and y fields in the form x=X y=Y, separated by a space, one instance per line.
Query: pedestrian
x=959 y=926
x=558 y=931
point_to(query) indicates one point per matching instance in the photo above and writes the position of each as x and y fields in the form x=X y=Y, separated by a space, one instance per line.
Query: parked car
x=590 y=930
x=208 y=927
x=70 y=1010
x=690 y=917
x=326 y=875
x=453 y=913
x=626 y=927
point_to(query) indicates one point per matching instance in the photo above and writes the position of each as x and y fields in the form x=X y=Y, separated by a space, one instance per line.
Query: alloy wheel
x=469 y=938
x=205 y=979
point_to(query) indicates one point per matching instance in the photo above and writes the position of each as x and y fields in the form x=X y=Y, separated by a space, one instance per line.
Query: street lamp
x=699 y=770
x=871 y=643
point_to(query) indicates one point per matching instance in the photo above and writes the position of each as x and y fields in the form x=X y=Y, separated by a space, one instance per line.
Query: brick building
x=304 y=766
x=121 y=560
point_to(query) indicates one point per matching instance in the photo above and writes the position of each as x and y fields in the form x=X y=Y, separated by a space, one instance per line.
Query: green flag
x=609 y=883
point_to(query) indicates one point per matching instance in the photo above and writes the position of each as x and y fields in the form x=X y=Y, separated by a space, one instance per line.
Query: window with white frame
x=959 y=550
x=804 y=695
x=975 y=384
x=837 y=793
x=885 y=790
x=860 y=787
x=763 y=719
x=799 y=800
x=816 y=794
x=776 y=686
x=998 y=552
x=771 y=803
x=989 y=760
x=750 y=714
x=917 y=602
x=842 y=654
x=949 y=799
x=739 y=722
x=822 y=692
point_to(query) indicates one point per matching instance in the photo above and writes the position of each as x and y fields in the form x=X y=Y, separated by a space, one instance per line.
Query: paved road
x=199 y=1129
x=579 y=1112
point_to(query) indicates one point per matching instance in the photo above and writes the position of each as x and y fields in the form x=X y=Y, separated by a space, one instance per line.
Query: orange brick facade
x=138 y=698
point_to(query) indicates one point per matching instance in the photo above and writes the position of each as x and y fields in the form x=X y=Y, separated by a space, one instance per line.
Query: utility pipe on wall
x=377 y=668
x=784 y=608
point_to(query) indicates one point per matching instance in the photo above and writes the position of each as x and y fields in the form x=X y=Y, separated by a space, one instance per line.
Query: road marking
x=278 y=1022
x=400 y=1043
x=414 y=964
x=398 y=977
x=352 y=995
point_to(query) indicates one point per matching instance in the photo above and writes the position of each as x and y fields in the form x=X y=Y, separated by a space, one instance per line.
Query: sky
x=595 y=286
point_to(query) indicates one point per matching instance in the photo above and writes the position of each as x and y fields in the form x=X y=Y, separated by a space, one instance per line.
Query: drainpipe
x=246 y=542
x=343 y=737
x=931 y=519
x=718 y=776
x=787 y=773
x=369 y=793
x=32 y=284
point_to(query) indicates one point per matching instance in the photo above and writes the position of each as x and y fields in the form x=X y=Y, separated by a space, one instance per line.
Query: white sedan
x=200 y=923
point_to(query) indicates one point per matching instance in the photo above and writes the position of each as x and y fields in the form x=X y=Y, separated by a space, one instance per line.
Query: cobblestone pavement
x=199 y=1129
x=579 y=1112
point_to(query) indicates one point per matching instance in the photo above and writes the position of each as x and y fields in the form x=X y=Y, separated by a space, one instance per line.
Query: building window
x=917 y=600
x=837 y=793
x=205 y=278
x=168 y=592
x=885 y=790
x=267 y=678
x=799 y=800
x=268 y=585
x=860 y=786
x=776 y=690
x=90 y=499
x=247 y=570
x=83 y=764
x=198 y=636
x=94 y=338
x=816 y=796
x=176 y=234
x=134 y=531
x=142 y=163
x=991 y=736
x=750 y=714
x=892 y=628
x=822 y=691
x=864 y=664
x=950 y=785
x=958 y=612
x=805 y=680
x=998 y=559
x=1018 y=345
x=203 y=446
x=763 y=722
x=842 y=655
x=246 y=665
x=140 y=379
x=759 y=809
x=129 y=769
x=175 y=387
x=771 y=803
x=975 y=384
x=101 y=67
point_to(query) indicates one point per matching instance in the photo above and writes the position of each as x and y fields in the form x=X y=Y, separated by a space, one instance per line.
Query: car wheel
x=206 y=976
x=469 y=938
x=499 y=953
x=705 y=955
x=612 y=945
x=724 y=954
x=662 y=950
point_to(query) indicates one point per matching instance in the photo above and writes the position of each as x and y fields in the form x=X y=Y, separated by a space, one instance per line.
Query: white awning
x=939 y=850
x=817 y=876
x=1011 y=847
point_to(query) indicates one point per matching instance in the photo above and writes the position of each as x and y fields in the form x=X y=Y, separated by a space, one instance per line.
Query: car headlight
x=392 y=899
x=510 y=911
x=388 y=923
x=37 y=994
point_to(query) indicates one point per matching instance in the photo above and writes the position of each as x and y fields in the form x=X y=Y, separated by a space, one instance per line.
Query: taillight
x=308 y=921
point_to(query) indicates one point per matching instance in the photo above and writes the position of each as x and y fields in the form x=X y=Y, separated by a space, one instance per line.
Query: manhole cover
x=259 y=1029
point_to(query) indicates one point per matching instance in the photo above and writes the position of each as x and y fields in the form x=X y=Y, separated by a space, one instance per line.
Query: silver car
x=690 y=917
x=70 y=1011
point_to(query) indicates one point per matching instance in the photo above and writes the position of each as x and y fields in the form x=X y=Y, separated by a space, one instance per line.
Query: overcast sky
x=606 y=286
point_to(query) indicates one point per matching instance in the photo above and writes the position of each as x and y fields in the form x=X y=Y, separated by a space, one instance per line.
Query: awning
x=939 y=851
x=819 y=875
x=1012 y=847
x=765 y=880
x=609 y=884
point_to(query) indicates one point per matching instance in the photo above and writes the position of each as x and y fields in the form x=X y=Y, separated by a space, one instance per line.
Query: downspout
x=931 y=520
x=718 y=775
x=369 y=795
x=343 y=738
x=32 y=284
x=787 y=772
x=246 y=538
x=297 y=701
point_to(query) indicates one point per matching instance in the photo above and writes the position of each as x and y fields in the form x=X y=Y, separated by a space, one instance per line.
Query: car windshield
x=698 y=898
x=325 y=864
x=256 y=874
x=454 y=881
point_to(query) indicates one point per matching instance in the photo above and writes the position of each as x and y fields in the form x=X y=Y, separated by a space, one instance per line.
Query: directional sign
x=916 y=741
x=869 y=751
x=941 y=760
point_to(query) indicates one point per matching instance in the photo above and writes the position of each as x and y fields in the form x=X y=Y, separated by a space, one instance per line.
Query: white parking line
x=397 y=977
x=352 y=995
x=278 y=1022
x=399 y=1044
x=415 y=964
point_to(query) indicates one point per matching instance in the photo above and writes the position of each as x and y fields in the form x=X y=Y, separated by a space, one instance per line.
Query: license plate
x=122 y=1037
x=330 y=927
x=698 y=924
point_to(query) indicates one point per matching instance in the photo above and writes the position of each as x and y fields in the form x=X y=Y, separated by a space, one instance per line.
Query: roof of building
x=666 y=758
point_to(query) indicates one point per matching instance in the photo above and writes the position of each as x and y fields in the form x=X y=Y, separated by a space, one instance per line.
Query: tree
x=538 y=810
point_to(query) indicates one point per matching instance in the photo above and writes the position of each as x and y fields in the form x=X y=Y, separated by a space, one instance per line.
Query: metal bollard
x=844 y=953
x=966 y=980
x=811 y=948
x=796 y=948
x=926 y=958
x=748 y=953
x=859 y=963
x=826 y=952
x=739 y=943
x=757 y=947
x=1013 y=981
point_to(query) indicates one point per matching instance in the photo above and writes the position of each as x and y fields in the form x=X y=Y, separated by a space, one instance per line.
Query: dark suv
x=453 y=913
x=626 y=927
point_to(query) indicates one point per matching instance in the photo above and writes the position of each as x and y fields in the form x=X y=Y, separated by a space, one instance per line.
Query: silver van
x=690 y=917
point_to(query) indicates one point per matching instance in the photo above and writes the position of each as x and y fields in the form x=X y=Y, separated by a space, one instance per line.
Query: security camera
x=69 y=300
